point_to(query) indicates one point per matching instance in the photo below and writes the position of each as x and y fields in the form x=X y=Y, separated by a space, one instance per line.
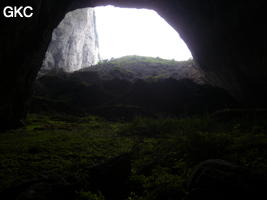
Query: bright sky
x=137 y=32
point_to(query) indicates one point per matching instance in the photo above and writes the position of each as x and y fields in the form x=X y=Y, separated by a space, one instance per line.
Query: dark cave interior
x=146 y=156
x=224 y=39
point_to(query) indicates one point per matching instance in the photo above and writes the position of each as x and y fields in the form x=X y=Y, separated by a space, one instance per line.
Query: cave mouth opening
x=90 y=35
x=141 y=32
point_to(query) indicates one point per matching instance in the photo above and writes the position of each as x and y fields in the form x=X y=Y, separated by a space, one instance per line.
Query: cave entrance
x=126 y=87
x=143 y=32
x=87 y=36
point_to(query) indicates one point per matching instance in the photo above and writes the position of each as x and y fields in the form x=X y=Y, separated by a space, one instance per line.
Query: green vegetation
x=132 y=68
x=141 y=59
x=132 y=128
x=127 y=87
x=161 y=152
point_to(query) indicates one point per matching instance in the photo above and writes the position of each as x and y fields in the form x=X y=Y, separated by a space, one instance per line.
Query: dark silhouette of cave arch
x=226 y=38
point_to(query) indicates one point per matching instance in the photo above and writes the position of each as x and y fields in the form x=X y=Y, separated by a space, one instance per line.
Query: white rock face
x=74 y=43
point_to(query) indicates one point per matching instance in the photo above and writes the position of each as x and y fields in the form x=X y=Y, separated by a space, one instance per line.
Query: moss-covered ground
x=161 y=151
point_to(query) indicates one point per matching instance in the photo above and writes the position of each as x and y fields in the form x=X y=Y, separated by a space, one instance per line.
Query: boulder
x=220 y=180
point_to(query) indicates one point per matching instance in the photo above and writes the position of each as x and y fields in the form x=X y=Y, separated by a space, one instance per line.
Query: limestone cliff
x=74 y=43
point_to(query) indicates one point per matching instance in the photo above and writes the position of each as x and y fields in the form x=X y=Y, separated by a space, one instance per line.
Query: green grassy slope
x=132 y=68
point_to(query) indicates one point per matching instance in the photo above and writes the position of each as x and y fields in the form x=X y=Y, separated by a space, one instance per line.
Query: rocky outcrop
x=219 y=179
x=74 y=43
x=226 y=38
x=132 y=68
x=125 y=92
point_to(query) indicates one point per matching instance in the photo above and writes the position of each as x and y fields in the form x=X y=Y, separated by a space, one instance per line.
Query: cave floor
x=98 y=159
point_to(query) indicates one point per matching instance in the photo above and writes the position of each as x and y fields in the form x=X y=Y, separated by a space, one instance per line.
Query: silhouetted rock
x=86 y=92
x=132 y=68
x=218 y=179
x=112 y=177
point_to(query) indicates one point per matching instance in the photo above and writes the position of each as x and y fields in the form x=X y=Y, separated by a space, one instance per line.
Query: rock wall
x=226 y=38
x=74 y=43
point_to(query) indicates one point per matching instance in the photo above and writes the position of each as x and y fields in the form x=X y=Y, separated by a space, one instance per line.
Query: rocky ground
x=130 y=86
x=121 y=132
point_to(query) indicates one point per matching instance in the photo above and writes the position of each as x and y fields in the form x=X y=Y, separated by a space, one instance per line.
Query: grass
x=51 y=147
x=133 y=68
x=163 y=151
x=137 y=59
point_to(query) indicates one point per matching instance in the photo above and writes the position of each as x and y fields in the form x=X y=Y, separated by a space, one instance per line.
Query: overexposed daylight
x=137 y=32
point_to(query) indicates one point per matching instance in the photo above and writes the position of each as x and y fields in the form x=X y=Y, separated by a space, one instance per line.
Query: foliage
x=89 y=196
x=121 y=89
x=132 y=68
x=162 y=152
x=137 y=59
